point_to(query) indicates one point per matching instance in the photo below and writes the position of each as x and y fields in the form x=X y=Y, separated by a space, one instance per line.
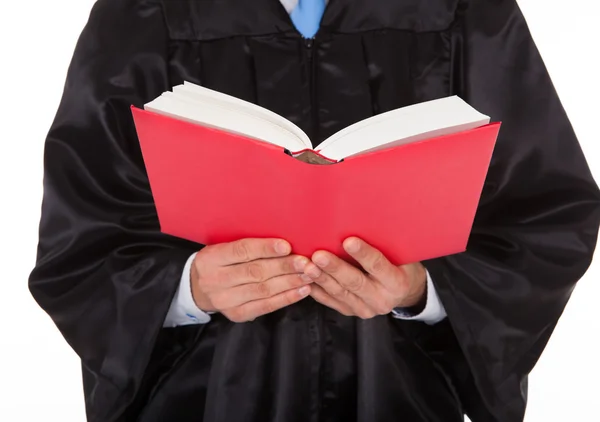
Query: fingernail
x=306 y=278
x=300 y=264
x=282 y=247
x=352 y=246
x=313 y=271
x=304 y=291
x=321 y=260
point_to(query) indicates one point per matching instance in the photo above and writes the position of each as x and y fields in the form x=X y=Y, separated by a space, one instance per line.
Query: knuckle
x=383 y=308
x=262 y=290
x=346 y=312
x=267 y=248
x=288 y=265
x=241 y=250
x=366 y=314
x=338 y=292
x=355 y=283
x=255 y=271
x=235 y=315
x=378 y=263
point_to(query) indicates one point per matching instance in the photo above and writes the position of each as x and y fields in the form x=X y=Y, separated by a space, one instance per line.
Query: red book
x=407 y=181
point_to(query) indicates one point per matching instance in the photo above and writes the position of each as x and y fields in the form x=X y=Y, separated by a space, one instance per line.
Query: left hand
x=352 y=292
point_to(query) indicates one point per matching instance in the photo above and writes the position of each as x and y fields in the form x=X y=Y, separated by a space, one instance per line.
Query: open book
x=197 y=104
x=407 y=181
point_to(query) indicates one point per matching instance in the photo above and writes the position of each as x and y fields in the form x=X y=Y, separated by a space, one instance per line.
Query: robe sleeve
x=104 y=272
x=536 y=227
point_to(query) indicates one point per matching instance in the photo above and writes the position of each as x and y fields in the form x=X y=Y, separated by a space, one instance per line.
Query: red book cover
x=413 y=202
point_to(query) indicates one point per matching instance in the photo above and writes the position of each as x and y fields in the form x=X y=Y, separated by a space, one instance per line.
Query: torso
x=308 y=363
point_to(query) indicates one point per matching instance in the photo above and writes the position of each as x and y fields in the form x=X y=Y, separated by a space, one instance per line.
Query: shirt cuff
x=183 y=310
x=434 y=310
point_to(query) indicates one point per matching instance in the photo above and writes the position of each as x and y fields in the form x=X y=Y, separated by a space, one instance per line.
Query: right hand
x=248 y=278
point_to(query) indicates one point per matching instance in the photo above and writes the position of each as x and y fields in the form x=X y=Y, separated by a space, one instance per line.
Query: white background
x=39 y=373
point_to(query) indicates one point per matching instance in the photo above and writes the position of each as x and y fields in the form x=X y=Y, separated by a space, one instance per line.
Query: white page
x=408 y=124
x=203 y=94
x=225 y=115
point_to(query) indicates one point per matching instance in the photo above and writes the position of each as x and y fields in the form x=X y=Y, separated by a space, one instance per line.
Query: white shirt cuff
x=183 y=310
x=434 y=310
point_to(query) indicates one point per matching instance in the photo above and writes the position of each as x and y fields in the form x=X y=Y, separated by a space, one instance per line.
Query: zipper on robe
x=309 y=51
x=316 y=325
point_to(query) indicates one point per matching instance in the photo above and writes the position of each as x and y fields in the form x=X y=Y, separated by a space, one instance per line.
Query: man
x=168 y=330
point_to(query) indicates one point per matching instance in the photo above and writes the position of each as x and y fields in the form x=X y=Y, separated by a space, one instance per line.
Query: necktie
x=307 y=16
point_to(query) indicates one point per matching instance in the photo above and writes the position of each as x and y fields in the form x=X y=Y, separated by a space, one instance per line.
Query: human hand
x=248 y=278
x=352 y=292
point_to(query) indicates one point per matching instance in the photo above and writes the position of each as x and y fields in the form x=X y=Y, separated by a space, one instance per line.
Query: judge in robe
x=170 y=330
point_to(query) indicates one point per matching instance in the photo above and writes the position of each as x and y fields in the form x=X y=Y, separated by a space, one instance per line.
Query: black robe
x=106 y=275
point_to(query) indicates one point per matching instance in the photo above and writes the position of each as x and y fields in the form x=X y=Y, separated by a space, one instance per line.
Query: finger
x=349 y=283
x=236 y=296
x=261 y=270
x=335 y=289
x=372 y=261
x=247 y=250
x=251 y=310
x=321 y=296
x=347 y=276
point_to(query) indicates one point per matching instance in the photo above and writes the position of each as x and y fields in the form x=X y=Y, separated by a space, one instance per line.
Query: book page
x=401 y=126
x=209 y=108
x=201 y=93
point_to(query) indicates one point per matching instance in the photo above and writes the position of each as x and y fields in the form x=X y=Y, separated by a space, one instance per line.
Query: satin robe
x=106 y=275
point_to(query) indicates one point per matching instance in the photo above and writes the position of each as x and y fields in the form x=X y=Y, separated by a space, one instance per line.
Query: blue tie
x=307 y=16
